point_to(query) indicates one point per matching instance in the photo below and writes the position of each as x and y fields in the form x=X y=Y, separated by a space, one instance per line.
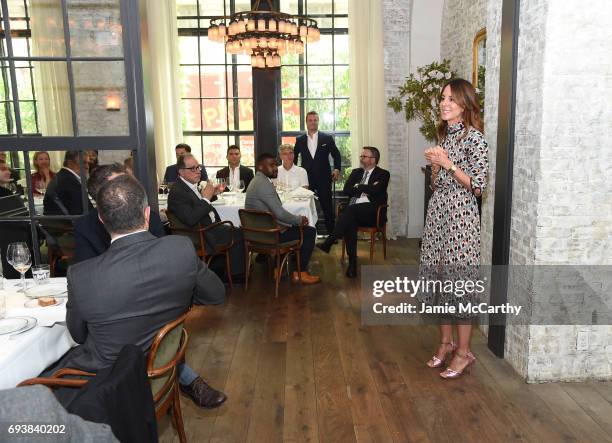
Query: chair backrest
x=259 y=226
x=167 y=350
x=179 y=228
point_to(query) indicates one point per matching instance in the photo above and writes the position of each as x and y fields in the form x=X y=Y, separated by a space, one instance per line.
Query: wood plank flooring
x=302 y=368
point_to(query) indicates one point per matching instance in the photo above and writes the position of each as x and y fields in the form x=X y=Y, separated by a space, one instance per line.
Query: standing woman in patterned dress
x=451 y=237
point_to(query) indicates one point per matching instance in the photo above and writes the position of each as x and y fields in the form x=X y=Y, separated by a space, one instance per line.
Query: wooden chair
x=167 y=351
x=262 y=235
x=379 y=228
x=197 y=235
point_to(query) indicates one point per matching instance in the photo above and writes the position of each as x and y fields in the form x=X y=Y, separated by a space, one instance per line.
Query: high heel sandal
x=436 y=362
x=451 y=373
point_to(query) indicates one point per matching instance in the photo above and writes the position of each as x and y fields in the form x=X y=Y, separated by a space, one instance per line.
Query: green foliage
x=419 y=96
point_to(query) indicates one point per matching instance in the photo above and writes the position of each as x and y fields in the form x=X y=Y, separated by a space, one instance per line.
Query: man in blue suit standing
x=315 y=148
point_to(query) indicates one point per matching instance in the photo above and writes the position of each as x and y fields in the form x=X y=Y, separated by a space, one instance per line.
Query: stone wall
x=397 y=17
x=461 y=20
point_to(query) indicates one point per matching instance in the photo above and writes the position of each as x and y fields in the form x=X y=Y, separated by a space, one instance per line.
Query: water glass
x=41 y=274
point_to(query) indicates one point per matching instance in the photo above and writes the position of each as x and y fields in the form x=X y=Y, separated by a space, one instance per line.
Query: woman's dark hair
x=464 y=95
x=121 y=204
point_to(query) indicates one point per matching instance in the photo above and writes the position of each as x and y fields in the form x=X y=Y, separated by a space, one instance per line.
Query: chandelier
x=264 y=35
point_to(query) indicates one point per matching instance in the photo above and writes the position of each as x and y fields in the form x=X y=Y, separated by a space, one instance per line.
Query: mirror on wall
x=479 y=63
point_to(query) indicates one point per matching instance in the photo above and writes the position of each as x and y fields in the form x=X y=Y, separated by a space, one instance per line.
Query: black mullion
x=5 y=84
x=11 y=61
x=200 y=85
x=302 y=62
x=334 y=62
x=31 y=67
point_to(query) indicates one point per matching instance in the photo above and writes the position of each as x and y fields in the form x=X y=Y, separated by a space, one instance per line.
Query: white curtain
x=50 y=78
x=368 y=107
x=163 y=40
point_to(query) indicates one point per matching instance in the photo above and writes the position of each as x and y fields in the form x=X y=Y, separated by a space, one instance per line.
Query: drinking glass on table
x=221 y=183
x=240 y=187
x=163 y=186
x=18 y=256
x=41 y=274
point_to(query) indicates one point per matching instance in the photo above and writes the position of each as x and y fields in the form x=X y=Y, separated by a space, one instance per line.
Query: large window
x=216 y=88
x=318 y=80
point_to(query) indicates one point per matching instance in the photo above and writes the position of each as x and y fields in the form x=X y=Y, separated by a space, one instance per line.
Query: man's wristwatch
x=452 y=170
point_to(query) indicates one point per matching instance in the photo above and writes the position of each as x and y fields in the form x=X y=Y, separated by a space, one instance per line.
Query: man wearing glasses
x=191 y=204
x=367 y=190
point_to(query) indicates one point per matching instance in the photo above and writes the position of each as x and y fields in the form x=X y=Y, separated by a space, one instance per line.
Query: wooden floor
x=302 y=368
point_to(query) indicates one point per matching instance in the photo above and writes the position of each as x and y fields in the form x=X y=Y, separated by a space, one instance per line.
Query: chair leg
x=177 y=415
x=384 y=238
x=228 y=268
x=372 y=240
x=278 y=272
x=247 y=268
x=298 y=260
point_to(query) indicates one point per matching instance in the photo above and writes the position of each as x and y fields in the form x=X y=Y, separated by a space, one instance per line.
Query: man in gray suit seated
x=141 y=283
x=261 y=195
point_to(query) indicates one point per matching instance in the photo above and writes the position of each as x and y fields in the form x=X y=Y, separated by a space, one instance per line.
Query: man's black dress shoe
x=327 y=244
x=203 y=395
x=351 y=271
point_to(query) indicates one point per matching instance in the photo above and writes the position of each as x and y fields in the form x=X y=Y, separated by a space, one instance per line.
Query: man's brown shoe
x=203 y=395
x=307 y=278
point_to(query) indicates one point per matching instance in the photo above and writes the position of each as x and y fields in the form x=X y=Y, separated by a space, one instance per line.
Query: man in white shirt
x=234 y=172
x=290 y=175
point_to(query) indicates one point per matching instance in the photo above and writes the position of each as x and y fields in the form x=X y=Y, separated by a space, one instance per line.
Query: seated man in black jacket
x=367 y=189
x=91 y=239
x=64 y=196
x=192 y=205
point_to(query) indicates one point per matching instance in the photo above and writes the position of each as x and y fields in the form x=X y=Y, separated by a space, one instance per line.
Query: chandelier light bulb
x=222 y=32
x=282 y=26
x=261 y=62
x=253 y=61
x=261 y=24
x=303 y=31
x=251 y=25
x=272 y=26
x=277 y=61
x=241 y=27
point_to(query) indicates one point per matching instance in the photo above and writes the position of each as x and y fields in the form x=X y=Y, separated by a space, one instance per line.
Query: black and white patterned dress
x=451 y=238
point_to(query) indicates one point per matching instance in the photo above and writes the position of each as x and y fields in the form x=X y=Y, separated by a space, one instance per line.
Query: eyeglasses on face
x=194 y=168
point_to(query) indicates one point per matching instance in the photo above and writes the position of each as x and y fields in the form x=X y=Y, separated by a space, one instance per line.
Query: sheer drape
x=367 y=86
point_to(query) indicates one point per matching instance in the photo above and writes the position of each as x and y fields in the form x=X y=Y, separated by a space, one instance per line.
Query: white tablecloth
x=26 y=355
x=228 y=208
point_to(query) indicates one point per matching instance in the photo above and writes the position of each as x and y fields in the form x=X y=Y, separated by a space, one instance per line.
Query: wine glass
x=240 y=186
x=18 y=256
x=221 y=183
x=163 y=186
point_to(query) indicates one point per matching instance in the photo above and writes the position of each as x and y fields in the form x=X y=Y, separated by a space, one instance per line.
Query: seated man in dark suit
x=192 y=206
x=127 y=294
x=235 y=172
x=367 y=189
x=91 y=239
x=66 y=188
x=262 y=196
x=172 y=172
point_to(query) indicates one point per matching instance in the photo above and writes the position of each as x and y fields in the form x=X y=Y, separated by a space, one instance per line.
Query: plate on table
x=34 y=303
x=10 y=325
x=31 y=324
x=48 y=290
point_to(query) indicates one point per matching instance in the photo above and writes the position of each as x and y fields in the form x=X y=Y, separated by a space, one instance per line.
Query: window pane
x=188 y=50
x=189 y=84
x=186 y=7
x=291 y=115
x=344 y=146
x=320 y=52
x=195 y=142
x=214 y=115
x=319 y=7
x=341 y=48
x=340 y=6
x=211 y=53
x=342 y=115
x=291 y=59
x=53 y=96
x=247 y=148
x=342 y=81
x=215 y=147
x=24 y=83
x=245 y=81
x=96 y=34
x=289 y=140
x=191 y=115
x=212 y=7
x=7 y=119
x=290 y=81
x=341 y=23
x=47 y=27
x=213 y=81
x=325 y=109
x=320 y=83
x=27 y=112
x=242 y=5
x=289 y=6
x=245 y=114
x=101 y=99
